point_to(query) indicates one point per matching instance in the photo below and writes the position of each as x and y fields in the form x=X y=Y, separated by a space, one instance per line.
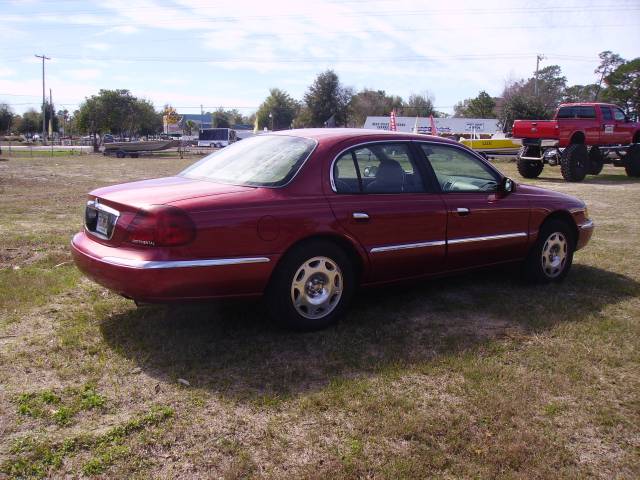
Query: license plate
x=102 y=226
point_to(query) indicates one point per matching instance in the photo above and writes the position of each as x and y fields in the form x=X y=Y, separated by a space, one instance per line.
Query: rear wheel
x=574 y=162
x=551 y=256
x=311 y=287
x=120 y=154
x=632 y=160
x=596 y=161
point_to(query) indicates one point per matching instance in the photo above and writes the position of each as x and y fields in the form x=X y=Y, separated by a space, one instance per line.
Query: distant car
x=306 y=216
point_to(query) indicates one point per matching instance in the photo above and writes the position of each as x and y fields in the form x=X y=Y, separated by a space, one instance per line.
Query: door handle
x=360 y=216
x=462 y=211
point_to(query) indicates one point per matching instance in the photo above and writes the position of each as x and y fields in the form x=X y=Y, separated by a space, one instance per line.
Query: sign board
x=451 y=126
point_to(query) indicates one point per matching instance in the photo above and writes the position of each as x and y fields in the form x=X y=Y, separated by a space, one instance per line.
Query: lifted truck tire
x=596 y=162
x=632 y=161
x=530 y=168
x=574 y=162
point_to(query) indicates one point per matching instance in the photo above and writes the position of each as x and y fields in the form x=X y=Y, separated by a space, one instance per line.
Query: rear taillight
x=161 y=226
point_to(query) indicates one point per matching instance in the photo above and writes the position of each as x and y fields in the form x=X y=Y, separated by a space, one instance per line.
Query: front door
x=483 y=228
x=380 y=198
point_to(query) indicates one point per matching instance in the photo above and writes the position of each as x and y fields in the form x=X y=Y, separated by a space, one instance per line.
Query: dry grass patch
x=472 y=376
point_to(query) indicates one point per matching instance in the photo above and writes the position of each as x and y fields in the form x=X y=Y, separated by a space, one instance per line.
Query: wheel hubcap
x=554 y=254
x=316 y=287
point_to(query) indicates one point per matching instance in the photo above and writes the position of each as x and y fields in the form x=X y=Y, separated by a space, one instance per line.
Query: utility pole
x=50 y=113
x=539 y=57
x=44 y=123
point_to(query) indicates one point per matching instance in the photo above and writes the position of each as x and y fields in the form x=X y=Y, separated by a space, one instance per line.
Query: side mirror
x=507 y=186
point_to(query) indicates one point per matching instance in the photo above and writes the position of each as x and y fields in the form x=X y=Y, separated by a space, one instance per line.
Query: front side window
x=619 y=115
x=262 y=161
x=377 y=168
x=458 y=171
x=606 y=113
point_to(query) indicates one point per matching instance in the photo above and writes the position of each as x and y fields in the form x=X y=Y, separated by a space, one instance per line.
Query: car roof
x=336 y=135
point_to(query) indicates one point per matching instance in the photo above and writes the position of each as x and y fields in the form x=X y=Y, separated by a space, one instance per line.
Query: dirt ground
x=474 y=376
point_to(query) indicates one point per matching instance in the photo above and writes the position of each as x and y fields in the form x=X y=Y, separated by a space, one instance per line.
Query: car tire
x=632 y=160
x=574 y=162
x=530 y=168
x=311 y=287
x=551 y=256
x=120 y=154
x=596 y=161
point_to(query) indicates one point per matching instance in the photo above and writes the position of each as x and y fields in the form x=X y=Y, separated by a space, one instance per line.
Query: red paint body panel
x=257 y=224
x=596 y=131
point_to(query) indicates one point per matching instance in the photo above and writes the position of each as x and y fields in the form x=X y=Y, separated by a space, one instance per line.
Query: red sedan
x=306 y=216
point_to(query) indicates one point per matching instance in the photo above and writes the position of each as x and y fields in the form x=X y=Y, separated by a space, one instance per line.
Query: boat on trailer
x=133 y=149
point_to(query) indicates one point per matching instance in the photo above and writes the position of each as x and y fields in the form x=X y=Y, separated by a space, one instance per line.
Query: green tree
x=419 y=105
x=327 y=98
x=372 y=103
x=220 y=119
x=277 y=111
x=31 y=122
x=482 y=106
x=522 y=107
x=623 y=86
x=580 y=93
x=91 y=119
x=6 y=118
x=609 y=61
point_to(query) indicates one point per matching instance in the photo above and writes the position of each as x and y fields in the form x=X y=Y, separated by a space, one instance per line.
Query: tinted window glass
x=606 y=113
x=618 y=114
x=567 y=112
x=586 y=112
x=262 y=161
x=345 y=174
x=377 y=168
x=458 y=171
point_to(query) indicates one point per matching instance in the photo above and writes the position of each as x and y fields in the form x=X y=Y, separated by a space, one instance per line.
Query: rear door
x=381 y=198
x=483 y=228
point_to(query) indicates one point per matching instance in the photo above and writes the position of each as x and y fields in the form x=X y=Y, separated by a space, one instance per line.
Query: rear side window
x=586 y=112
x=606 y=113
x=377 y=168
x=567 y=112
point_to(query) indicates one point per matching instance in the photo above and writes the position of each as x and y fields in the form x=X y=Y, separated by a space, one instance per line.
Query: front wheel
x=311 y=287
x=551 y=256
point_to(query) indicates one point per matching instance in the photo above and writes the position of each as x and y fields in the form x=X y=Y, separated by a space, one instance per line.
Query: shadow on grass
x=231 y=348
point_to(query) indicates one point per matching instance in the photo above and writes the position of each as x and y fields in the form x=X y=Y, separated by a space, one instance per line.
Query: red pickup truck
x=581 y=138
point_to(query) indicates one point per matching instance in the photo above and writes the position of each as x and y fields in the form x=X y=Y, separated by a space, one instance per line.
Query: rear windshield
x=262 y=161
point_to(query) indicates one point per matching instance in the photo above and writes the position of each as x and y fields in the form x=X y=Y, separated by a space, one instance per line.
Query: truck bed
x=538 y=129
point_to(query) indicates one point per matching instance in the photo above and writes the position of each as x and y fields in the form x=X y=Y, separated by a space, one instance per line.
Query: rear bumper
x=585 y=231
x=159 y=280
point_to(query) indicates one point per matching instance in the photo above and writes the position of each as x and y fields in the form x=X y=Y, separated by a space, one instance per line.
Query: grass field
x=476 y=376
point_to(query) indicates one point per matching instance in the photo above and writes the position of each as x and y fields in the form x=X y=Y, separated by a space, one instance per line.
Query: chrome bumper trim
x=407 y=246
x=487 y=238
x=154 y=264
x=586 y=226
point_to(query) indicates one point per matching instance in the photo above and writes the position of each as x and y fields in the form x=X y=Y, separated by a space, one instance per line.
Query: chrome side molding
x=407 y=246
x=487 y=238
x=162 y=264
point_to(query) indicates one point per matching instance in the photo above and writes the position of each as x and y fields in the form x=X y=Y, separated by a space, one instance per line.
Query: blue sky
x=223 y=53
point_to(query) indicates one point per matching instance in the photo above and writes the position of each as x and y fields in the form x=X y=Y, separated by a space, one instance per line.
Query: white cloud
x=6 y=71
x=101 y=47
